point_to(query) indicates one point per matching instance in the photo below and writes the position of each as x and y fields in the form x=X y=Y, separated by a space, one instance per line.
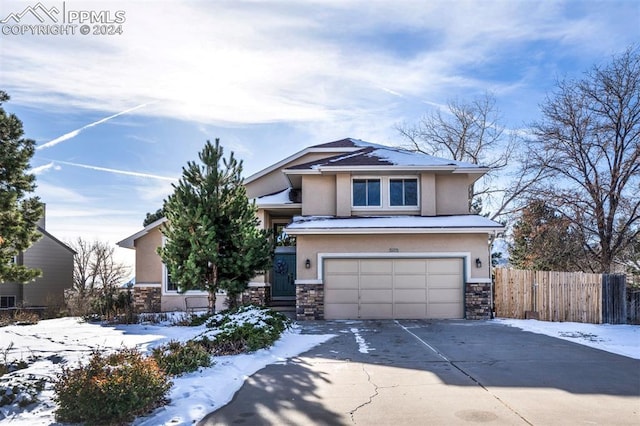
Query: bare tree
x=472 y=132
x=95 y=268
x=587 y=145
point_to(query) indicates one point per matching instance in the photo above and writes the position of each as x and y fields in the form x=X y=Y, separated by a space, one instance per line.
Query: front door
x=284 y=275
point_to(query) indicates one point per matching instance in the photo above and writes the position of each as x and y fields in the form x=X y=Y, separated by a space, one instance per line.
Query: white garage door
x=393 y=288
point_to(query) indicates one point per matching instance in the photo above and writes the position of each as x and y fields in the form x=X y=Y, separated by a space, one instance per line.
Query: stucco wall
x=452 y=194
x=308 y=247
x=148 y=262
x=318 y=195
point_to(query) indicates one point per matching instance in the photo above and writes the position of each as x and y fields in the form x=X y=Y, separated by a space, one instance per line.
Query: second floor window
x=403 y=192
x=366 y=192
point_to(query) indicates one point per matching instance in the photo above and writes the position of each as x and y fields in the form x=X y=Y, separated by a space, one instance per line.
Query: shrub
x=110 y=388
x=246 y=329
x=176 y=358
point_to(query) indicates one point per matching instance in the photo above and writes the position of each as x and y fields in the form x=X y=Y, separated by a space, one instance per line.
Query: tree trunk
x=213 y=287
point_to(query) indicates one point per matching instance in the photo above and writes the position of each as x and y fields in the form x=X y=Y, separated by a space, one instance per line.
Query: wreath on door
x=281 y=267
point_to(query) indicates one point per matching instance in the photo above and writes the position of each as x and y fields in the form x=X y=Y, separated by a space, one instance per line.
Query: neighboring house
x=365 y=231
x=55 y=260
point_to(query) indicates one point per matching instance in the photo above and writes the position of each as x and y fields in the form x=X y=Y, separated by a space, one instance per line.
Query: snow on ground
x=66 y=341
x=617 y=339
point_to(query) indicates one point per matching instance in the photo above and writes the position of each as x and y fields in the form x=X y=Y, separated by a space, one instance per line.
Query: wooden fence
x=548 y=296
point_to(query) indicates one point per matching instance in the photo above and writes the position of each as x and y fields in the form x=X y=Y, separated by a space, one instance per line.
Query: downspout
x=492 y=238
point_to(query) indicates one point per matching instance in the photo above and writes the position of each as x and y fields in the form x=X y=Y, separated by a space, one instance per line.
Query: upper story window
x=403 y=192
x=366 y=193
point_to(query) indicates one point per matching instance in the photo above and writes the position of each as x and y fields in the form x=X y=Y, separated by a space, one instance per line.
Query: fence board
x=555 y=296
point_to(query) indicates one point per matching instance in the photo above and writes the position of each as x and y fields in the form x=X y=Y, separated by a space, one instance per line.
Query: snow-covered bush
x=245 y=329
x=176 y=358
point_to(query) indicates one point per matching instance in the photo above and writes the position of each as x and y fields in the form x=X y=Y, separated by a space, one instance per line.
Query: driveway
x=438 y=372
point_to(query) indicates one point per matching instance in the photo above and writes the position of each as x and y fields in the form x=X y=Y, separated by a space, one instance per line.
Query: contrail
x=120 y=172
x=74 y=133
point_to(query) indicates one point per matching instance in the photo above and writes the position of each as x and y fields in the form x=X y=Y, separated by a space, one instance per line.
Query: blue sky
x=117 y=116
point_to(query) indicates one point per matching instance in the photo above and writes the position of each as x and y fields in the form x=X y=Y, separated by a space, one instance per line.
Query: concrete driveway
x=438 y=373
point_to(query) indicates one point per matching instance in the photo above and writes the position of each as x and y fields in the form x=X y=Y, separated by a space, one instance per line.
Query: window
x=171 y=286
x=7 y=301
x=366 y=192
x=403 y=192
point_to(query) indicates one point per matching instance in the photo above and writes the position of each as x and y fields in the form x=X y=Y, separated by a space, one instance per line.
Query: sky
x=116 y=116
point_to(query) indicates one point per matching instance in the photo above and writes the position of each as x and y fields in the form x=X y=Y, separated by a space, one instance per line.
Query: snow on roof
x=282 y=197
x=465 y=223
x=378 y=155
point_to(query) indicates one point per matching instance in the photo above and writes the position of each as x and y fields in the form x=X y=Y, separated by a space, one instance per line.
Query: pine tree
x=19 y=213
x=212 y=237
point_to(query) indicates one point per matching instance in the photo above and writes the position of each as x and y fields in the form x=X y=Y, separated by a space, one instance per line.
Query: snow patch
x=363 y=346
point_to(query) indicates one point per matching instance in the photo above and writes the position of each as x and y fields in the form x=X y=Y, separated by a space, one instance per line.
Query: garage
x=386 y=288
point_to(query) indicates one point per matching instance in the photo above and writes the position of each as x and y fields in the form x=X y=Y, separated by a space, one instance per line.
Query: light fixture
x=478 y=263
x=307 y=263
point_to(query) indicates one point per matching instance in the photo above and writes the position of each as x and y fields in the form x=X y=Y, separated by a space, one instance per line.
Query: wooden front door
x=284 y=275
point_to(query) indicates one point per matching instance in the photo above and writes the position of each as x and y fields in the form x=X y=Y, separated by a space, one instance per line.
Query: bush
x=176 y=358
x=110 y=389
x=246 y=329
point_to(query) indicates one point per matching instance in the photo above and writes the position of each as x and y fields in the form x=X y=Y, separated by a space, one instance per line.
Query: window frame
x=404 y=206
x=6 y=298
x=380 y=181
x=165 y=281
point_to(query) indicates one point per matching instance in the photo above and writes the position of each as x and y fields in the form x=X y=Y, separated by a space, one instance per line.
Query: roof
x=129 y=241
x=343 y=145
x=370 y=155
x=54 y=239
x=393 y=224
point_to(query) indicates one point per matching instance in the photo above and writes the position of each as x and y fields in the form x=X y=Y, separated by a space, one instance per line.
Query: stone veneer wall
x=478 y=301
x=147 y=299
x=309 y=302
x=260 y=296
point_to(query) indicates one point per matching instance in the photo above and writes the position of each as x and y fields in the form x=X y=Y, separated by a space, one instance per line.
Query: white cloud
x=229 y=62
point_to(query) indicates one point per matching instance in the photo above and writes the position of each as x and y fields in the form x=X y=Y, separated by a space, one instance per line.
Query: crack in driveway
x=371 y=397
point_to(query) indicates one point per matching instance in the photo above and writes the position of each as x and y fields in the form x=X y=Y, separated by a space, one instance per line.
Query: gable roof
x=367 y=155
x=343 y=145
x=129 y=241
x=54 y=239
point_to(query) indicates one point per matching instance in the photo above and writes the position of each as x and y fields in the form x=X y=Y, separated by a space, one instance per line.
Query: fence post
x=614 y=299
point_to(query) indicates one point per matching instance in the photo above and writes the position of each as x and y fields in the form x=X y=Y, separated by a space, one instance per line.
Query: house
x=55 y=259
x=364 y=231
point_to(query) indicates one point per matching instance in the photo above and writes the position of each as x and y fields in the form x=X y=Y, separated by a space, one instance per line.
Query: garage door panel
x=344 y=282
x=376 y=296
x=410 y=310
x=445 y=310
x=444 y=295
x=375 y=282
x=445 y=281
x=409 y=296
x=444 y=266
x=410 y=266
x=341 y=310
x=410 y=281
x=341 y=266
x=376 y=266
x=341 y=296
x=376 y=310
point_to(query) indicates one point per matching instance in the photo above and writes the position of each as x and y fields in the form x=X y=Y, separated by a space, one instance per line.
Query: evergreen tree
x=213 y=240
x=19 y=213
x=152 y=217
